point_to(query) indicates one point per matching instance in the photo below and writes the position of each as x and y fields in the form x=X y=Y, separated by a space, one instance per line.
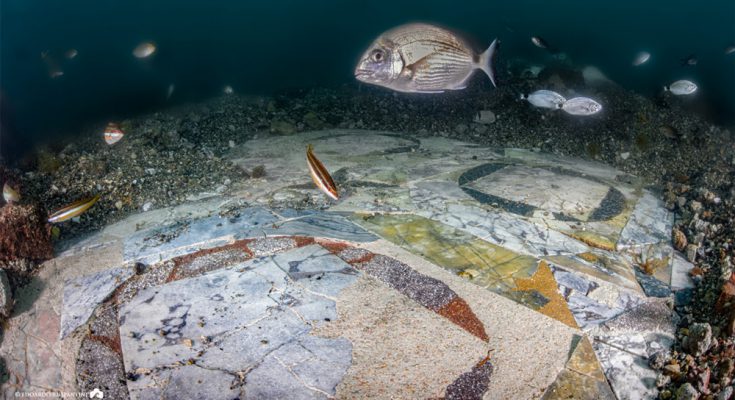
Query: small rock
x=695 y=206
x=6 y=296
x=673 y=370
x=461 y=129
x=679 y=239
x=485 y=117
x=691 y=251
x=699 y=339
x=625 y=155
x=682 y=201
x=657 y=360
x=147 y=206
x=726 y=393
x=662 y=380
x=231 y=143
x=118 y=204
x=687 y=392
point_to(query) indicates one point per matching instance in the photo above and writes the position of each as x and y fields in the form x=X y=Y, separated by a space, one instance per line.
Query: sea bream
x=581 y=106
x=545 y=99
x=681 y=87
x=422 y=58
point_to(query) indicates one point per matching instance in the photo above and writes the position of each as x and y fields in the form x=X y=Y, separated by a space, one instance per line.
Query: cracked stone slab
x=163 y=243
x=328 y=225
x=629 y=374
x=650 y=223
x=680 y=268
x=82 y=295
x=249 y=318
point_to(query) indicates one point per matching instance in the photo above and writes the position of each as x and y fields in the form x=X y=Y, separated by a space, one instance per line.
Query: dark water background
x=263 y=46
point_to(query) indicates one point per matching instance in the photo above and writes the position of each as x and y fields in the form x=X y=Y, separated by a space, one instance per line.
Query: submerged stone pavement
x=445 y=270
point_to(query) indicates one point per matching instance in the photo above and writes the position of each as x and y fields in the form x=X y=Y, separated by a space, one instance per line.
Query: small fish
x=422 y=58
x=320 y=175
x=545 y=99
x=228 y=90
x=668 y=131
x=730 y=49
x=581 y=106
x=539 y=42
x=170 y=91
x=691 y=60
x=113 y=133
x=71 y=53
x=681 y=87
x=145 y=49
x=641 y=58
x=9 y=194
x=54 y=71
x=72 y=210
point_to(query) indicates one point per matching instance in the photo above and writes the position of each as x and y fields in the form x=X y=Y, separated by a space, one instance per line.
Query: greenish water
x=260 y=47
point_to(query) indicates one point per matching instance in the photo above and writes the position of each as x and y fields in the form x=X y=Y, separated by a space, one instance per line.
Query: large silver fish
x=581 y=106
x=422 y=58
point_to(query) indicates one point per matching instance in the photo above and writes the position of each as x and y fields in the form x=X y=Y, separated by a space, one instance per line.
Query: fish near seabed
x=10 y=195
x=581 y=106
x=72 y=210
x=113 y=133
x=545 y=99
x=320 y=175
x=422 y=58
x=681 y=87
x=641 y=58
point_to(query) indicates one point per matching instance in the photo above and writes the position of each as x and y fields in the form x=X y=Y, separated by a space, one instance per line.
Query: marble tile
x=483 y=263
x=543 y=189
x=158 y=244
x=643 y=330
x=543 y=282
x=652 y=286
x=601 y=265
x=573 y=385
x=650 y=223
x=82 y=295
x=253 y=318
x=680 y=268
x=328 y=225
x=628 y=374
x=584 y=361
x=503 y=229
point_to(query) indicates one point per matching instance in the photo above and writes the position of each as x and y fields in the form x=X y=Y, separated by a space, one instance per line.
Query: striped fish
x=422 y=58
x=72 y=210
x=320 y=175
x=113 y=133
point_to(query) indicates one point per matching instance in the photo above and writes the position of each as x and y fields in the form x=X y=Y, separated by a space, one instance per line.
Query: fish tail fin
x=487 y=59
x=309 y=148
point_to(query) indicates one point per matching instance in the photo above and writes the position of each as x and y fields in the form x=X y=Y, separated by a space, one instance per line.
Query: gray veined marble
x=252 y=320
x=158 y=244
x=629 y=375
x=505 y=230
x=680 y=268
x=650 y=223
x=82 y=295
x=328 y=225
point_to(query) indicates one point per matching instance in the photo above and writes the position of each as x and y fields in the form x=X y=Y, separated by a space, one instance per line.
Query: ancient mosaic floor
x=445 y=270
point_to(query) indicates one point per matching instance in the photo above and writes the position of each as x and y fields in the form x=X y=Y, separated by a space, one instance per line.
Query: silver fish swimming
x=581 y=106
x=422 y=58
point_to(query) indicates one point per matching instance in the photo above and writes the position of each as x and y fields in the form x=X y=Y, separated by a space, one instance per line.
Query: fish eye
x=378 y=55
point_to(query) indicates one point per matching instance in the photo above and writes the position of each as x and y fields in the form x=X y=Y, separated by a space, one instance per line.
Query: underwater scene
x=367 y=199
